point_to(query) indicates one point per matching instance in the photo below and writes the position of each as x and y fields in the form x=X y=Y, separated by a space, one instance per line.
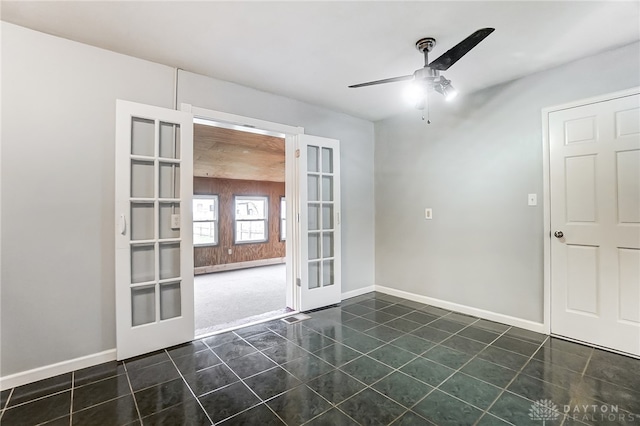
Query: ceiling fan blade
x=452 y=55
x=386 y=80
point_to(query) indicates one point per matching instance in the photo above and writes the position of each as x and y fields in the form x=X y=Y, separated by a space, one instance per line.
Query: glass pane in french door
x=320 y=208
x=154 y=202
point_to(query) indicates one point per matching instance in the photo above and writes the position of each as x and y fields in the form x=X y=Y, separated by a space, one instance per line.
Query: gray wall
x=58 y=131
x=474 y=165
x=57 y=194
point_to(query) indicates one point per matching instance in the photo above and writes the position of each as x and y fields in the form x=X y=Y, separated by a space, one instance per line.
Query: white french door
x=595 y=223
x=319 y=206
x=154 y=250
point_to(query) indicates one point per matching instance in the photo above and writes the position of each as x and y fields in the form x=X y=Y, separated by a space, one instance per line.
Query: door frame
x=133 y=340
x=291 y=190
x=321 y=295
x=546 y=190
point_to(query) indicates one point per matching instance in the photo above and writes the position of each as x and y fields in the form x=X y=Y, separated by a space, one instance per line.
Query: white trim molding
x=464 y=309
x=40 y=373
x=358 y=292
x=241 y=121
x=290 y=133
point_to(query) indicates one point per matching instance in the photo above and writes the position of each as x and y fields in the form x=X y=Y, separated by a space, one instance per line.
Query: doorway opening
x=239 y=226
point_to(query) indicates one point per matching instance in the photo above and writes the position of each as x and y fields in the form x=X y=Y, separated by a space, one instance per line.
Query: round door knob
x=558 y=234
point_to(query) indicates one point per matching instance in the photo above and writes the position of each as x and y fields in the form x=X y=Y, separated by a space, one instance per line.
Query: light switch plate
x=533 y=199
x=428 y=214
x=175 y=221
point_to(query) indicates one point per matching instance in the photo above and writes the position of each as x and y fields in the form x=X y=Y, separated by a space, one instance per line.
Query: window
x=283 y=219
x=205 y=220
x=251 y=219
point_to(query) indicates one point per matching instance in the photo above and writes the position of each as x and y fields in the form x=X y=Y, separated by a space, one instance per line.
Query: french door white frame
x=291 y=181
x=547 y=189
x=319 y=179
x=156 y=331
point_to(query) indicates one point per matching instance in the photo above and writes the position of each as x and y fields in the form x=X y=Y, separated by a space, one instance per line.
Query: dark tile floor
x=374 y=360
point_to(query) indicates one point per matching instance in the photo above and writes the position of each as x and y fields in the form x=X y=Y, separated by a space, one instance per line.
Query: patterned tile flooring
x=374 y=360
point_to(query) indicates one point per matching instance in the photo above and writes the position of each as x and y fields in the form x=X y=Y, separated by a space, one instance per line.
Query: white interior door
x=154 y=253
x=595 y=216
x=319 y=189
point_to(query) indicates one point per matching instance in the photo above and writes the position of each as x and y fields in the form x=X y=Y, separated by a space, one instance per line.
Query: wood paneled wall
x=226 y=189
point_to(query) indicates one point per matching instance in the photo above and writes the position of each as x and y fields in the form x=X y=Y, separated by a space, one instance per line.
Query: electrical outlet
x=229 y=251
x=532 y=199
x=428 y=214
x=175 y=221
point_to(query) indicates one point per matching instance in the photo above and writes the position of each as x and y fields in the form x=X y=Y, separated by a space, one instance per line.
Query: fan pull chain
x=427 y=105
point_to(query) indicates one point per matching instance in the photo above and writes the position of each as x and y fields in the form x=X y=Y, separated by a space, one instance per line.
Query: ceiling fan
x=428 y=78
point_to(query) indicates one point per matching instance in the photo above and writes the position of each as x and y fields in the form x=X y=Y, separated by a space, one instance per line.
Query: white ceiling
x=312 y=51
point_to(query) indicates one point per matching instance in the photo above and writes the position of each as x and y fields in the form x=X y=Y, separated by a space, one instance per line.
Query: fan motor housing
x=426 y=43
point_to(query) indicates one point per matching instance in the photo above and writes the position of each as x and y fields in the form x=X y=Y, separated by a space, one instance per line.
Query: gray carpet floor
x=233 y=298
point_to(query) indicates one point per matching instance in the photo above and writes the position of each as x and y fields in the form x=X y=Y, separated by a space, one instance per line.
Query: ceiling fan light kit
x=428 y=79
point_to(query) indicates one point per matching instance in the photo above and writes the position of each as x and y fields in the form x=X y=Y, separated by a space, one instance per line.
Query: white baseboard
x=40 y=373
x=358 y=292
x=238 y=265
x=463 y=309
